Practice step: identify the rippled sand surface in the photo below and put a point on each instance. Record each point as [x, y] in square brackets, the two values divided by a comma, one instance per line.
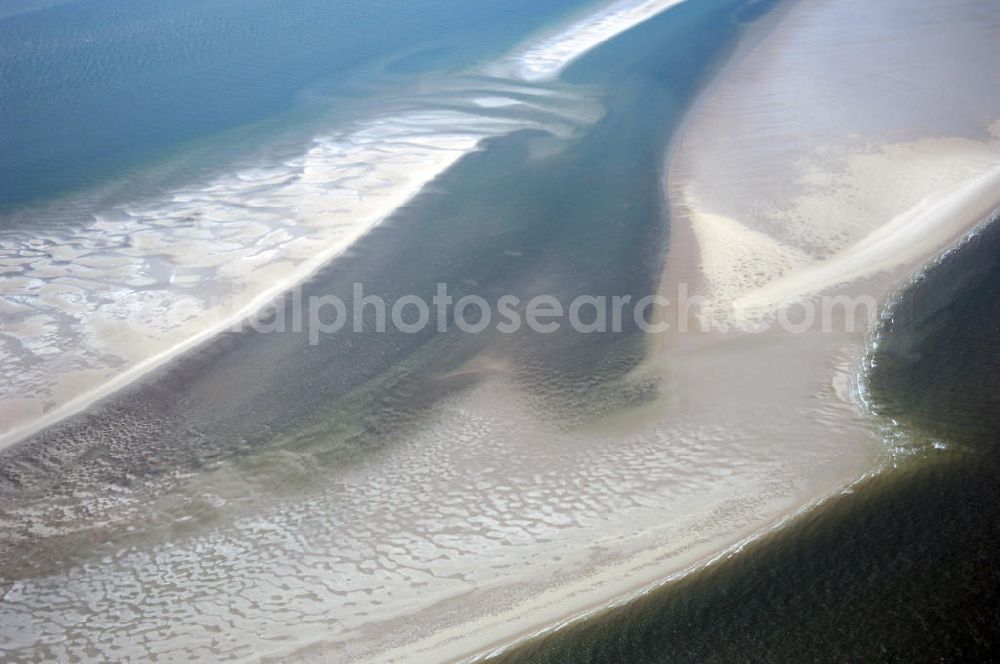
[125, 288]
[434, 516]
[829, 152]
[463, 519]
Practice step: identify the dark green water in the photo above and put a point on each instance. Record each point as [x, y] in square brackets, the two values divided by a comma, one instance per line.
[906, 568]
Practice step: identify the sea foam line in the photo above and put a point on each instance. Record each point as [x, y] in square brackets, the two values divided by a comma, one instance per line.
[114, 284]
[147, 280]
[306, 192]
[546, 59]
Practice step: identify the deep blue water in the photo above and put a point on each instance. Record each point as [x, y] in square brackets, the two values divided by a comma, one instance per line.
[92, 88]
[568, 213]
[102, 91]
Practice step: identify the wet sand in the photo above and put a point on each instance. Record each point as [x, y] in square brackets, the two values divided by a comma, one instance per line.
[261, 494]
[133, 286]
[762, 217]
[487, 519]
[95, 308]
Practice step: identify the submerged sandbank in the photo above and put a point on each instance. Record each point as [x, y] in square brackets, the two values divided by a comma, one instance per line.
[487, 519]
[261, 493]
[370, 521]
[90, 308]
[774, 206]
[151, 279]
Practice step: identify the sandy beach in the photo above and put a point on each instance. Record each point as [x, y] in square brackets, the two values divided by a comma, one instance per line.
[209, 256]
[149, 280]
[761, 218]
[812, 165]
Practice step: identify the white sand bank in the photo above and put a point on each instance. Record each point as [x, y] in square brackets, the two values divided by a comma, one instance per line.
[749, 429]
[552, 52]
[860, 213]
[487, 524]
[226, 251]
[89, 309]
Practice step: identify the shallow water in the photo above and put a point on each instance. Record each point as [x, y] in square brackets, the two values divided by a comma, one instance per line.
[263, 492]
[905, 568]
[170, 181]
[95, 88]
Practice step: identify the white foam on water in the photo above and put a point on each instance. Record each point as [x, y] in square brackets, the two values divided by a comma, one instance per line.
[545, 58]
[495, 102]
[108, 300]
[89, 308]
